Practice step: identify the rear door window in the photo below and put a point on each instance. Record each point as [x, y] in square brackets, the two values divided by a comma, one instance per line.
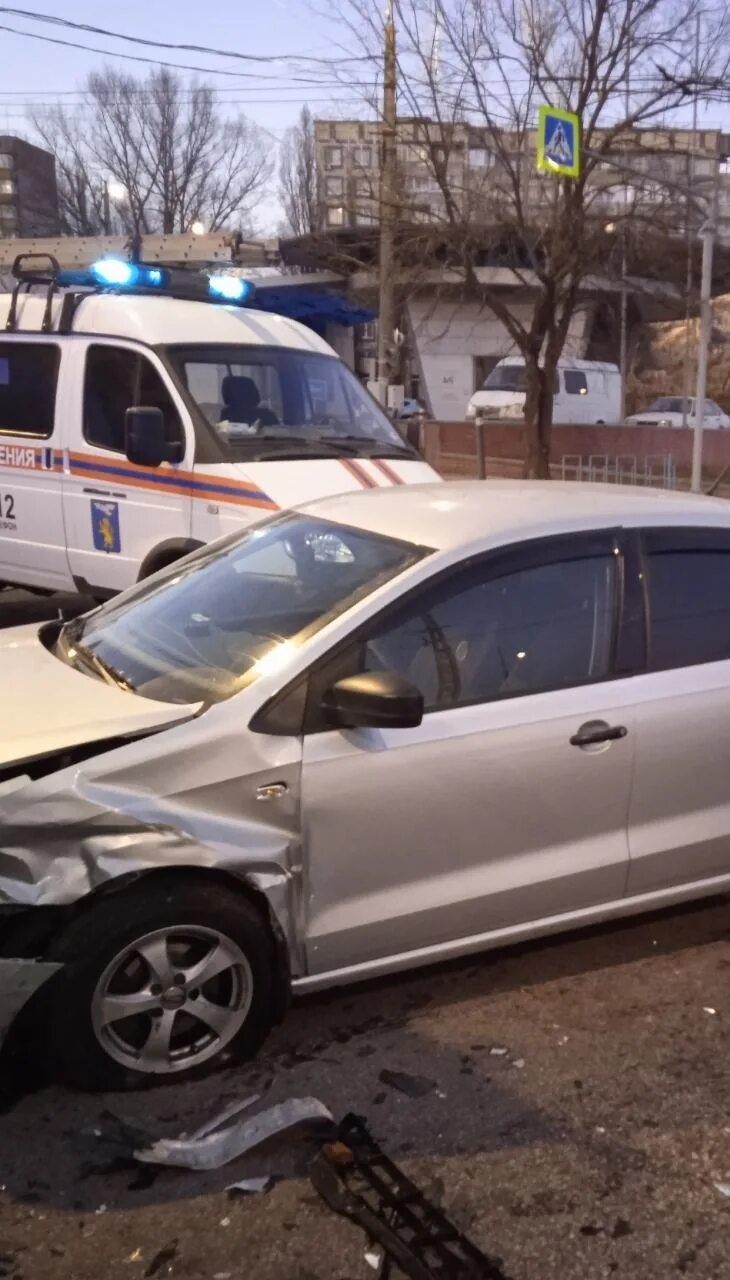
[28, 378]
[689, 598]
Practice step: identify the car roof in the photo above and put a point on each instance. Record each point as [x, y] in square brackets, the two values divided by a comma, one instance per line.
[165, 320]
[565, 362]
[459, 513]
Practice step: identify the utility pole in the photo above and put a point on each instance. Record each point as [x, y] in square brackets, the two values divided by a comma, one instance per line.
[386, 295]
[623, 332]
[703, 348]
[690, 246]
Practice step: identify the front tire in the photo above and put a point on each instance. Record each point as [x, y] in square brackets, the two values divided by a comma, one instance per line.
[161, 980]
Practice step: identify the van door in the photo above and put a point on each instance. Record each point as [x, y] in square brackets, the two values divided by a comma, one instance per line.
[32, 535]
[122, 518]
[576, 396]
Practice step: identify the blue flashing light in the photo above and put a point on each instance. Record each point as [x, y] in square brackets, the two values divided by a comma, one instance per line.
[126, 275]
[113, 271]
[230, 288]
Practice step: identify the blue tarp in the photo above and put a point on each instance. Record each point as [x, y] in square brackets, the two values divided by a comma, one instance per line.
[315, 307]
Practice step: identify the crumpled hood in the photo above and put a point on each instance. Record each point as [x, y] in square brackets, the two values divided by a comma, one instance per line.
[48, 705]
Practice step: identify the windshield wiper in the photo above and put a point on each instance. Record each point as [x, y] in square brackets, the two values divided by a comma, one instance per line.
[370, 447]
[264, 448]
[96, 664]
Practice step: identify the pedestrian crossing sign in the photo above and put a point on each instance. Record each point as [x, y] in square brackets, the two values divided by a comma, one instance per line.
[558, 142]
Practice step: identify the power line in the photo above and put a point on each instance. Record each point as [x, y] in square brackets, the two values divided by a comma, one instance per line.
[155, 62]
[163, 44]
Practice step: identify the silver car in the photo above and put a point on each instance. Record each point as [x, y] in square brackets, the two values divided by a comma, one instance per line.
[374, 732]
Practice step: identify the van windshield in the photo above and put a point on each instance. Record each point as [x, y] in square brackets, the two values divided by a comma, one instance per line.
[274, 402]
[670, 404]
[506, 377]
[511, 377]
[231, 612]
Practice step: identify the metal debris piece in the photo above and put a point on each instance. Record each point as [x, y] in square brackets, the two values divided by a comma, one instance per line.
[723, 1188]
[518, 1062]
[708, 1009]
[217, 1122]
[162, 1260]
[251, 1186]
[357, 1179]
[217, 1149]
[374, 1258]
[497, 1051]
[413, 1086]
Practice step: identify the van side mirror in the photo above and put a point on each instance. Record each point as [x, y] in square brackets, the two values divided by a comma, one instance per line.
[377, 700]
[144, 438]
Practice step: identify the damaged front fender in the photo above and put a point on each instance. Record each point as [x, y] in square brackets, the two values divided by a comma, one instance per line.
[186, 797]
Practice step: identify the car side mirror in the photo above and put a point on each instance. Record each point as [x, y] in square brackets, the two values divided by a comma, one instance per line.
[144, 438]
[377, 700]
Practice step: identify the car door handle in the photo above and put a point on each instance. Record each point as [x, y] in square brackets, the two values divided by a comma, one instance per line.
[594, 732]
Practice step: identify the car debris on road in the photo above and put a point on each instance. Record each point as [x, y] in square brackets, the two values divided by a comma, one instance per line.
[218, 1147]
[358, 1180]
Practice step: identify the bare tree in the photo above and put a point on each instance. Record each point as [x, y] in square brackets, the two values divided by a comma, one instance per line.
[298, 176]
[472, 74]
[166, 144]
[81, 189]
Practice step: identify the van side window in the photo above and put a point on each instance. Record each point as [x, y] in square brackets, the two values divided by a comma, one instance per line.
[576, 384]
[28, 377]
[118, 379]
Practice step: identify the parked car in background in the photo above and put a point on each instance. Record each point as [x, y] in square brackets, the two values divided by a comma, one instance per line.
[584, 391]
[380, 731]
[409, 409]
[672, 411]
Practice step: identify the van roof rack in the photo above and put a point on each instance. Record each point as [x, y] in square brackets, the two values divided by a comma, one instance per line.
[27, 276]
[118, 275]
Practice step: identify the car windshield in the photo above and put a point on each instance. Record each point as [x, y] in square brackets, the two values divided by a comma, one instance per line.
[267, 402]
[217, 620]
[670, 404]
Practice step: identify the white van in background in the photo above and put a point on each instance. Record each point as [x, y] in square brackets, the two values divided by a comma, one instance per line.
[145, 412]
[585, 391]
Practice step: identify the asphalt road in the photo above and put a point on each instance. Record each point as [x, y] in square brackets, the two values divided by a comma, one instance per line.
[592, 1147]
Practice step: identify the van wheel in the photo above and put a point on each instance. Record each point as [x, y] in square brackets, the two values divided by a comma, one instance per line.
[161, 980]
[164, 556]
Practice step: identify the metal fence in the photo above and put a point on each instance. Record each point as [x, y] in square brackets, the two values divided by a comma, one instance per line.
[658, 470]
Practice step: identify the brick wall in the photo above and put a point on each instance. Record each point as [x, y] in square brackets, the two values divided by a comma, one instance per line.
[451, 447]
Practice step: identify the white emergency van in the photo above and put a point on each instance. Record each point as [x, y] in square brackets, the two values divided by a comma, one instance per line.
[137, 424]
[585, 391]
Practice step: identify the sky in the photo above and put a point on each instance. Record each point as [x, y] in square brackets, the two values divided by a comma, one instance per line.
[271, 93]
[37, 72]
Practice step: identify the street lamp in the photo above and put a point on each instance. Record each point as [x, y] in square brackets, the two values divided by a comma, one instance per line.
[111, 190]
[611, 229]
[198, 228]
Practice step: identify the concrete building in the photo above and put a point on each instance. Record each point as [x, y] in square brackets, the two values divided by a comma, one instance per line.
[28, 192]
[478, 173]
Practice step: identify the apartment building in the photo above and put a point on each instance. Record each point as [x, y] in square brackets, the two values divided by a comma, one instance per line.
[478, 173]
[28, 192]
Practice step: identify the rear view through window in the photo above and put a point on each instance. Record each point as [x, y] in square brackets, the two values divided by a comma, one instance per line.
[28, 373]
